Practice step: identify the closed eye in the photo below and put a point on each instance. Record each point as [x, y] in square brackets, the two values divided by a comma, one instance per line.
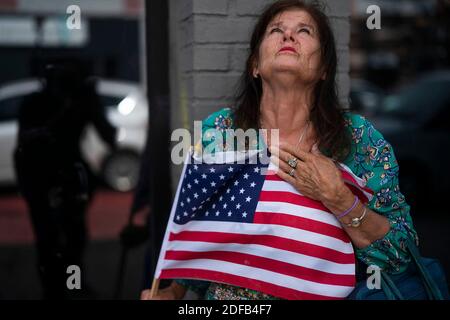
[304, 30]
[276, 30]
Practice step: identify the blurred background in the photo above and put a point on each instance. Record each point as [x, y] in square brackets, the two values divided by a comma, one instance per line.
[399, 79]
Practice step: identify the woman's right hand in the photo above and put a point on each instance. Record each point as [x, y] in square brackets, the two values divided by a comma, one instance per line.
[173, 292]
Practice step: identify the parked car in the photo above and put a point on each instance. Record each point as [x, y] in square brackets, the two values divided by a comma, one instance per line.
[126, 108]
[416, 121]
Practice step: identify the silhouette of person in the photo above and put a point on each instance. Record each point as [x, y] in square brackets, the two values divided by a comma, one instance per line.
[52, 177]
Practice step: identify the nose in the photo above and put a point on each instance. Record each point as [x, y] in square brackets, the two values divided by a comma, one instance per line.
[288, 35]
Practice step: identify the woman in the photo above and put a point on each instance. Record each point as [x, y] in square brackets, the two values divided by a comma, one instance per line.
[289, 84]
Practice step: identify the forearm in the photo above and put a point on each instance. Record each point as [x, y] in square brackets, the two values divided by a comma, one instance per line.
[373, 227]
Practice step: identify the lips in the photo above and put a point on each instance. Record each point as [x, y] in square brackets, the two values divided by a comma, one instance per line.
[288, 49]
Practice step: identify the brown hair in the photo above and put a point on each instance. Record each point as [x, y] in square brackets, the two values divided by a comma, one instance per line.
[326, 113]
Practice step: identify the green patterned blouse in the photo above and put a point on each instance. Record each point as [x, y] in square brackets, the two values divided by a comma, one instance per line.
[372, 159]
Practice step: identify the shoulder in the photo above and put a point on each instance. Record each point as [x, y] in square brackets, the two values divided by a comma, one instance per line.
[372, 156]
[220, 120]
[215, 123]
[361, 130]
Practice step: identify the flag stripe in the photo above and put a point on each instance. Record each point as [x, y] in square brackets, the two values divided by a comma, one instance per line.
[263, 275]
[298, 211]
[301, 223]
[277, 232]
[263, 251]
[254, 261]
[258, 285]
[265, 240]
[281, 196]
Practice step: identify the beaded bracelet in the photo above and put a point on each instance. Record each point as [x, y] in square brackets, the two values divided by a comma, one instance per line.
[343, 214]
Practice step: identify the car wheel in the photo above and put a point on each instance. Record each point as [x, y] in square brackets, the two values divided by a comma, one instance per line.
[121, 171]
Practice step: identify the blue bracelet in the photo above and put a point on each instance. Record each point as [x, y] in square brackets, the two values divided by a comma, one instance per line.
[343, 214]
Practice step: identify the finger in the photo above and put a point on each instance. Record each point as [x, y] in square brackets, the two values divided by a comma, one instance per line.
[286, 177]
[283, 165]
[282, 154]
[300, 154]
[145, 294]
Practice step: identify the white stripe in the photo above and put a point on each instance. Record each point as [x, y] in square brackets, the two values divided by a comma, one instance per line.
[262, 275]
[270, 185]
[266, 229]
[272, 253]
[298, 211]
[170, 224]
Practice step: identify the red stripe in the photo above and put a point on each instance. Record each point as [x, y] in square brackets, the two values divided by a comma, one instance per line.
[289, 197]
[261, 286]
[301, 223]
[273, 176]
[266, 240]
[347, 176]
[266, 264]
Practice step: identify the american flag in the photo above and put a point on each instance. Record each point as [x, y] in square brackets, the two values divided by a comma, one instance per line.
[232, 224]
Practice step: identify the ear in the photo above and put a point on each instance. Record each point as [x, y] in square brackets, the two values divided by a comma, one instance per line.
[255, 71]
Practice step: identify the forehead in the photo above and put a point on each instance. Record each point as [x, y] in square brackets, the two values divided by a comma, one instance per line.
[293, 16]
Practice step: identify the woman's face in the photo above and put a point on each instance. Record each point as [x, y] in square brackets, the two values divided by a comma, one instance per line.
[290, 44]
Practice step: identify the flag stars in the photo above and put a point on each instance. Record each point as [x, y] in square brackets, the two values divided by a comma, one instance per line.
[225, 206]
[204, 190]
[256, 170]
[213, 184]
[222, 177]
[248, 199]
[188, 200]
[244, 215]
[252, 184]
[238, 206]
[185, 214]
[195, 167]
[195, 195]
[229, 213]
[182, 204]
[242, 191]
[217, 213]
[196, 181]
[178, 218]
[246, 176]
[212, 170]
[189, 186]
[204, 176]
[228, 190]
[232, 198]
[236, 182]
[230, 169]
[207, 213]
